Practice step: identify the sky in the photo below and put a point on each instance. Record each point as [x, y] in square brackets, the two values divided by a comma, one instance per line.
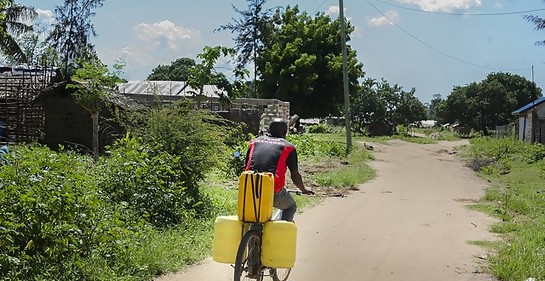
[430, 45]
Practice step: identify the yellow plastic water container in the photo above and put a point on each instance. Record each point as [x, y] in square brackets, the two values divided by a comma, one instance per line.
[255, 196]
[279, 244]
[228, 232]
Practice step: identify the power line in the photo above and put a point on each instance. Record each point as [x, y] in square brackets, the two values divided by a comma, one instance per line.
[460, 14]
[320, 6]
[437, 50]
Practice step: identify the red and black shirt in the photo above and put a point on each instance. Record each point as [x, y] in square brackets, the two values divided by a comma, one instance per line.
[273, 155]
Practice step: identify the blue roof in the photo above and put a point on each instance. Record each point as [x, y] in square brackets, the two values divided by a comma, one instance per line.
[529, 106]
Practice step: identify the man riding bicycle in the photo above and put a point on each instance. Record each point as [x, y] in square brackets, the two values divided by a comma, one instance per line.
[273, 153]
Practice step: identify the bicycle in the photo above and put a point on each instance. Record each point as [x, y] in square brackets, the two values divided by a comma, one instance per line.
[248, 264]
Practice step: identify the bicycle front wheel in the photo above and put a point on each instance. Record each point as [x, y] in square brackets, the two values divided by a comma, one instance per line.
[248, 262]
[280, 274]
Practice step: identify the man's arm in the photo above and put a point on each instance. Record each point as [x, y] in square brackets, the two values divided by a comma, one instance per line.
[296, 178]
[298, 181]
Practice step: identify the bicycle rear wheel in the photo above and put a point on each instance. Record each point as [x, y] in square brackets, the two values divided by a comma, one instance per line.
[280, 274]
[249, 258]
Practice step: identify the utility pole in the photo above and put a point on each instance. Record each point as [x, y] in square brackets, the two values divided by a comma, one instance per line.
[345, 80]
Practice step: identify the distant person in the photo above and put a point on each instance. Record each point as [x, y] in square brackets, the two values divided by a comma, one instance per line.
[273, 153]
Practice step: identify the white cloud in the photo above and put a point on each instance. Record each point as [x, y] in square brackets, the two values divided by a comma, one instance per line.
[45, 17]
[332, 11]
[43, 20]
[164, 34]
[156, 41]
[443, 5]
[358, 32]
[382, 20]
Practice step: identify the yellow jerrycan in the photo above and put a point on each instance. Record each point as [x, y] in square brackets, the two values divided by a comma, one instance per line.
[255, 196]
[228, 232]
[279, 244]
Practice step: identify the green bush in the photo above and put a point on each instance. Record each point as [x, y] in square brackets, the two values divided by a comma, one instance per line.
[506, 149]
[319, 129]
[403, 130]
[53, 218]
[151, 183]
[308, 146]
[305, 144]
[192, 136]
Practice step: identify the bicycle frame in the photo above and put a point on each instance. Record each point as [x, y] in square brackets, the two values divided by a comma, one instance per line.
[254, 261]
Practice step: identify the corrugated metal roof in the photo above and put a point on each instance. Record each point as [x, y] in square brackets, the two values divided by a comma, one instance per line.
[165, 88]
[529, 106]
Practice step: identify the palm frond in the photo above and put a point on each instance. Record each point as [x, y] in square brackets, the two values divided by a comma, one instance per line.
[17, 28]
[537, 21]
[11, 49]
[18, 12]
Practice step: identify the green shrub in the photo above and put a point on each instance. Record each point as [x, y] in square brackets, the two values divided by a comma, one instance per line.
[192, 136]
[53, 218]
[307, 145]
[534, 153]
[47, 201]
[151, 183]
[403, 130]
[319, 129]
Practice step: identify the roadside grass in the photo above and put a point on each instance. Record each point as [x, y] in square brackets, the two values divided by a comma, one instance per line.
[337, 137]
[352, 172]
[516, 197]
[176, 248]
[490, 245]
[444, 134]
[158, 253]
[341, 138]
[415, 139]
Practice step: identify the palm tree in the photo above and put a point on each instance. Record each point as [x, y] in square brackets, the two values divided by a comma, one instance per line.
[12, 26]
[539, 25]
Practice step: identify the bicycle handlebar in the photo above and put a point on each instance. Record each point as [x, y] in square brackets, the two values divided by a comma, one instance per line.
[298, 192]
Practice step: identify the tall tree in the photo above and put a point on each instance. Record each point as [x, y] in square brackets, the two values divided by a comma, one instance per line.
[301, 62]
[486, 104]
[72, 31]
[12, 24]
[252, 27]
[378, 104]
[437, 108]
[178, 70]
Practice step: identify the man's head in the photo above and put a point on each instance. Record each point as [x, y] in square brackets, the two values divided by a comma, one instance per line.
[278, 128]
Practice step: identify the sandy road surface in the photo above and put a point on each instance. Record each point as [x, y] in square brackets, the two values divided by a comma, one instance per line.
[410, 223]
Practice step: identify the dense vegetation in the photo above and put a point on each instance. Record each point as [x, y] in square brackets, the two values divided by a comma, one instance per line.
[517, 172]
[64, 216]
[483, 105]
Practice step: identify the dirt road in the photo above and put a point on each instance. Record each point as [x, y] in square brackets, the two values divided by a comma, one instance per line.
[410, 223]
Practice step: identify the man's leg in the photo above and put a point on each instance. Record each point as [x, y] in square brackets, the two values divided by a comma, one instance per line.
[284, 201]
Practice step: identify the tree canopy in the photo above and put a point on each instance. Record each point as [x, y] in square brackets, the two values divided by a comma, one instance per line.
[251, 29]
[72, 31]
[178, 70]
[379, 107]
[489, 103]
[301, 62]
